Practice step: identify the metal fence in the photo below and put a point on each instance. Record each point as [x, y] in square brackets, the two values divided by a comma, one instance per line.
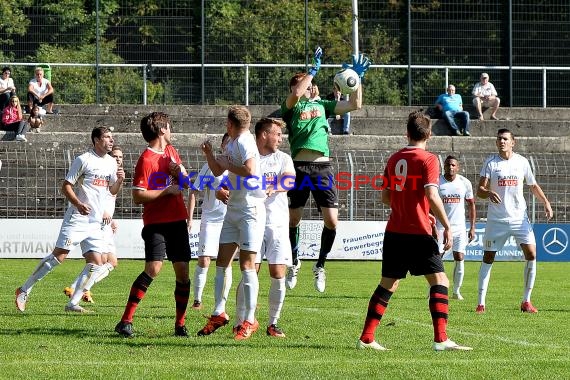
[256, 84]
[522, 43]
[31, 179]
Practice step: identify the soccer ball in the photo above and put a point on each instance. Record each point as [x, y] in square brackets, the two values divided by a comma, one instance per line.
[347, 80]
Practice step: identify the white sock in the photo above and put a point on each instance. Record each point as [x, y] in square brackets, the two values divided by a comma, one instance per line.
[484, 276]
[102, 273]
[276, 298]
[458, 272]
[529, 277]
[222, 286]
[86, 280]
[75, 282]
[250, 292]
[240, 305]
[46, 265]
[200, 277]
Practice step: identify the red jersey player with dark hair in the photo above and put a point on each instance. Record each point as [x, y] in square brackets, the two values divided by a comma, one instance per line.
[412, 189]
[165, 232]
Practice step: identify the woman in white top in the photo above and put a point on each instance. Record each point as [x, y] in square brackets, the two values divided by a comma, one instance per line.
[40, 91]
[7, 87]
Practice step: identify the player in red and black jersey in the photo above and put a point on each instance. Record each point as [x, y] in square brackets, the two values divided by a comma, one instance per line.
[165, 231]
[412, 189]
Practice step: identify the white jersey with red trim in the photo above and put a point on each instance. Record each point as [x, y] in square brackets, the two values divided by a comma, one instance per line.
[273, 166]
[93, 174]
[453, 195]
[506, 178]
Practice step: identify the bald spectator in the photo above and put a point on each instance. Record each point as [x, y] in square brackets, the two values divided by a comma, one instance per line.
[451, 106]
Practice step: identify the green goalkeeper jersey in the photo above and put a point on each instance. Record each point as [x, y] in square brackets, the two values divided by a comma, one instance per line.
[307, 125]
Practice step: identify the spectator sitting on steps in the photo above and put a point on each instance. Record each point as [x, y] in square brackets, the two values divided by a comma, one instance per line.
[40, 91]
[451, 106]
[12, 119]
[35, 120]
[7, 87]
[337, 95]
[485, 95]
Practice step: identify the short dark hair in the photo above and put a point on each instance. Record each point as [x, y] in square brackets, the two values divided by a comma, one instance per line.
[152, 123]
[97, 132]
[265, 123]
[419, 126]
[6, 68]
[451, 157]
[505, 130]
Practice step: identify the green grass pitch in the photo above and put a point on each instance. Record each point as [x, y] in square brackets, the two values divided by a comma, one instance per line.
[322, 329]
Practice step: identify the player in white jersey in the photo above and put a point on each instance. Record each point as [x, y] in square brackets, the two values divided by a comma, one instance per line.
[501, 182]
[95, 173]
[244, 221]
[109, 227]
[279, 173]
[456, 191]
[211, 221]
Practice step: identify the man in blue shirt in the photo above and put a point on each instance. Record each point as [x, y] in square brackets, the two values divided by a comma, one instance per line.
[451, 106]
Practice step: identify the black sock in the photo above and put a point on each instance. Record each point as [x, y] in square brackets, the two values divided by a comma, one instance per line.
[294, 239]
[327, 240]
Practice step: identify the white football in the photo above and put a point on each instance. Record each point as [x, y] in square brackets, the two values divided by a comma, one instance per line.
[347, 81]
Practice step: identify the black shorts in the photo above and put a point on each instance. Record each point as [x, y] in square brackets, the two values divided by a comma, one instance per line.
[166, 240]
[403, 253]
[316, 178]
[34, 99]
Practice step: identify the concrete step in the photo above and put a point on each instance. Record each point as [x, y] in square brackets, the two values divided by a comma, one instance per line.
[172, 110]
[337, 143]
[486, 128]
[130, 123]
[370, 111]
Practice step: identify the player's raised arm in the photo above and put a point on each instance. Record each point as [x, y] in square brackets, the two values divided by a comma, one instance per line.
[304, 85]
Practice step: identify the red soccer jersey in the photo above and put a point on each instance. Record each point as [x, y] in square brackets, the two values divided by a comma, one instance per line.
[408, 172]
[152, 173]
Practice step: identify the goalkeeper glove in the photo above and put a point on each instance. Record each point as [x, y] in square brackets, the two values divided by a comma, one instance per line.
[360, 64]
[316, 61]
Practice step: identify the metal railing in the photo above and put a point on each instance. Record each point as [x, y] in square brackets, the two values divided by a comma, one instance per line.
[144, 69]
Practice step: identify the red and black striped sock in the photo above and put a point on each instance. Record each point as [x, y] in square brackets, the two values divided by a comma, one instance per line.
[376, 308]
[138, 290]
[181, 295]
[439, 309]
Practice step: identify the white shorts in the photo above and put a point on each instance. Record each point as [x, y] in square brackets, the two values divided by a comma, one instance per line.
[244, 226]
[209, 238]
[497, 233]
[109, 237]
[76, 230]
[276, 247]
[460, 240]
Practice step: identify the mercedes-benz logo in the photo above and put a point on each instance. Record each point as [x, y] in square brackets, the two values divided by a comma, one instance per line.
[555, 241]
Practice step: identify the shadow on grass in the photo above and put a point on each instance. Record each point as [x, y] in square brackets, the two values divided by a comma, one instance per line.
[255, 343]
[48, 330]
